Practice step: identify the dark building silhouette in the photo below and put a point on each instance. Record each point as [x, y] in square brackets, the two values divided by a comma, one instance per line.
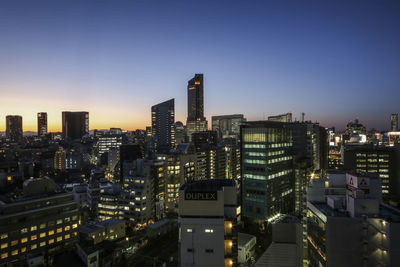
[42, 124]
[394, 122]
[196, 122]
[75, 124]
[127, 155]
[14, 128]
[162, 123]
[196, 98]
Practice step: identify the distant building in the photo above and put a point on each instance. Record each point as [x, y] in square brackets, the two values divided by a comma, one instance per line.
[59, 159]
[381, 161]
[43, 223]
[287, 117]
[228, 126]
[107, 142]
[267, 170]
[162, 123]
[394, 122]
[75, 124]
[14, 130]
[42, 124]
[196, 122]
[208, 213]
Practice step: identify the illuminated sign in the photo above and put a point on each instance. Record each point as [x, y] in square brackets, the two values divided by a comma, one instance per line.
[355, 182]
[201, 195]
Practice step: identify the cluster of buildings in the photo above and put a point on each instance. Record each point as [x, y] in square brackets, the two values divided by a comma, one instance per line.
[320, 196]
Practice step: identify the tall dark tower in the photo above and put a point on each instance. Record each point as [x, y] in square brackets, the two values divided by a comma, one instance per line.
[75, 124]
[196, 122]
[42, 124]
[394, 122]
[162, 123]
[14, 128]
[196, 98]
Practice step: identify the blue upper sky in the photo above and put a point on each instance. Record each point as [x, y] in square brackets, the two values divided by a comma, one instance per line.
[333, 60]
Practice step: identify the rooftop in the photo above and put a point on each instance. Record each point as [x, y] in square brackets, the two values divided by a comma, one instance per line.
[207, 185]
[243, 239]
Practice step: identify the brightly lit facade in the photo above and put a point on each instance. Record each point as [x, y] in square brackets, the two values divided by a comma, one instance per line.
[37, 225]
[208, 215]
[267, 170]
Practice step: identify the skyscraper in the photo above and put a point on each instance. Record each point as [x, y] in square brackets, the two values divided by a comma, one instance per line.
[394, 122]
[14, 128]
[42, 124]
[227, 126]
[162, 123]
[75, 124]
[196, 122]
[267, 169]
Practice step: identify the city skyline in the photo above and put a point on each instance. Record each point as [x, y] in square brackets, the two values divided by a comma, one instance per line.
[334, 61]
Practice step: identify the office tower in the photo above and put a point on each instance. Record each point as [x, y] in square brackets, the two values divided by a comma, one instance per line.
[42, 223]
[207, 223]
[42, 124]
[267, 169]
[310, 141]
[394, 122]
[14, 128]
[75, 124]
[162, 124]
[382, 161]
[107, 142]
[59, 159]
[196, 122]
[180, 134]
[287, 117]
[349, 226]
[227, 126]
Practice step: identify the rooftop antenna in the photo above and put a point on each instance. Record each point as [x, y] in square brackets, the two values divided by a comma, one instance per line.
[302, 116]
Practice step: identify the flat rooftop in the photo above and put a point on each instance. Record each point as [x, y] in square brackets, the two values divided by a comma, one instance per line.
[207, 185]
[243, 239]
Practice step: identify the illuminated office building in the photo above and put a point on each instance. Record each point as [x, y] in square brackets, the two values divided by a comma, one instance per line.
[287, 117]
[228, 126]
[41, 223]
[267, 170]
[14, 128]
[42, 124]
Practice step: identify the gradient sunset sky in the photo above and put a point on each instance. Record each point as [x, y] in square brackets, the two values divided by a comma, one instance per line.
[333, 60]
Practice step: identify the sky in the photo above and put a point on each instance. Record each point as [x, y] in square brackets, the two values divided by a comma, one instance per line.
[332, 60]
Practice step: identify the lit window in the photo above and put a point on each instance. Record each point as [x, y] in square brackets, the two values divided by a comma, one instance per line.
[51, 241]
[42, 244]
[4, 255]
[51, 232]
[59, 230]
[33, 228]
[74, 225]
[34, 246]
[33, 237]
[189, 230]
[3, 236]
[42, 235]
[59, 238]
[14, 242]
[59, 221]
[209, 230]
[24, 240]
[67, 219]
[4, 245]
[23, 249]
[14, 252]
[67, 228]
[67, 236]
[43, 225]
[24, 230]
